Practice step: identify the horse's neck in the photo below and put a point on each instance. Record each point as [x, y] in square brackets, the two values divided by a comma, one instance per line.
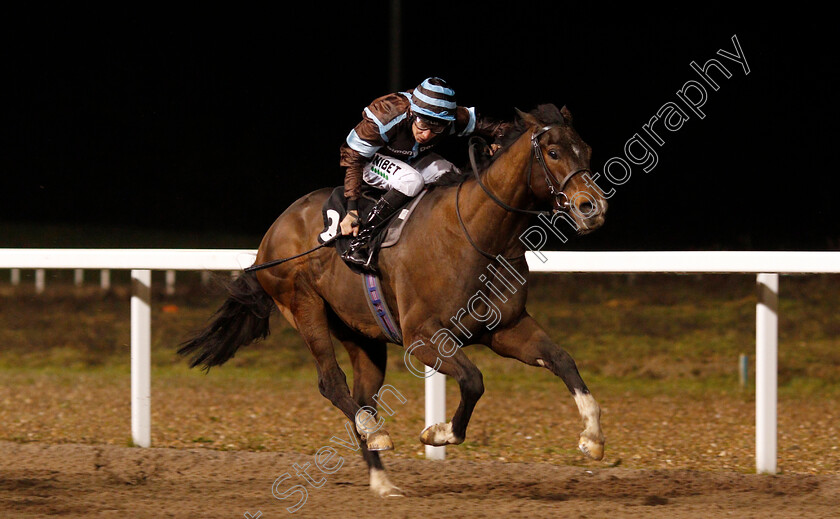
[506, 178]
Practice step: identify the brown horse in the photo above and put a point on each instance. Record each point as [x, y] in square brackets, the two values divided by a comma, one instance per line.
[447, 247]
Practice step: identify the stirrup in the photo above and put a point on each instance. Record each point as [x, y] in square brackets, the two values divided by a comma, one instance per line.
[362, 256]
[358, 250]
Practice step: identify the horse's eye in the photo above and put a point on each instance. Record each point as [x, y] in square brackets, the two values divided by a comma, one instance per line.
[553, 154]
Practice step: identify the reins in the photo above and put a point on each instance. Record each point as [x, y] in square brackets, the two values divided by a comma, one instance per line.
[550, 180]
[474, 142]
[467, 234]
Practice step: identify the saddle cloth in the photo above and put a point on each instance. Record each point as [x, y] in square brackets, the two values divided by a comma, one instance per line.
[335, 208]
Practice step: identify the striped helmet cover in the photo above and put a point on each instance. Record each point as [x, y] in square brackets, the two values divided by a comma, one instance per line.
[434, 98]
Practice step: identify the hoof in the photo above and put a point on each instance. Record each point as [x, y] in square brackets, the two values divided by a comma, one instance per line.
[591, 448]
[379, 441]
[439, 434]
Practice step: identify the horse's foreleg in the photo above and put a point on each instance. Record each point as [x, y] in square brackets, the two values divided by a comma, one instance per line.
[369, 359]
[529, 343]
[470, 381]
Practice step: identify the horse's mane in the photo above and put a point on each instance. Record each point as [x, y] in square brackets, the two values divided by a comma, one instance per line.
[545, 113]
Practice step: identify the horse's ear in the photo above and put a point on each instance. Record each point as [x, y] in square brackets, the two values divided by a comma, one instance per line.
[567, 115]
[528, 118]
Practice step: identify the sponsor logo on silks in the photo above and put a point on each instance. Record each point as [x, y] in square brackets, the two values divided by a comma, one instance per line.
[383, 166]
[408, 153]
[378, 172]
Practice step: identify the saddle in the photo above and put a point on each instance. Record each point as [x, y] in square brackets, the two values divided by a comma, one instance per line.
[335, 209]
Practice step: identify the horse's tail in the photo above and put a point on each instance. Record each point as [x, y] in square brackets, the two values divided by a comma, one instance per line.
[241, 320]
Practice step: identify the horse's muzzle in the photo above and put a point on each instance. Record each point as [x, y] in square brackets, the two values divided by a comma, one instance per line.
[589, 215]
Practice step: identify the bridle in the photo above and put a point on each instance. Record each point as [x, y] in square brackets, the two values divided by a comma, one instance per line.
[555, 187]
[556, 190]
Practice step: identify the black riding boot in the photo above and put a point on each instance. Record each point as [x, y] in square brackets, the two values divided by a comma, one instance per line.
[359, 251]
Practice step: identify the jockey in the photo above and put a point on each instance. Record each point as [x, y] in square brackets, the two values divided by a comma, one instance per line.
[391, 149]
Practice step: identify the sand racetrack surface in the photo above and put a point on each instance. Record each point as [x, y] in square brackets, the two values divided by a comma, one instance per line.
[71, 480]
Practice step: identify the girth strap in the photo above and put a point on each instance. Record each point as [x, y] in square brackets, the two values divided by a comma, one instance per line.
[379, 308]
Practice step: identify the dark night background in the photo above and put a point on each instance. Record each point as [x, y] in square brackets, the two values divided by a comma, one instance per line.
[205, 121]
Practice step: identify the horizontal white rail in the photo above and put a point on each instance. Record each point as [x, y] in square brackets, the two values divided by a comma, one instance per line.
[767, 264]
[754, 262]
[782, 262]
[143, 259]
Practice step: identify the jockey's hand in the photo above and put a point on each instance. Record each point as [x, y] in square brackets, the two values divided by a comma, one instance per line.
[350, 223]
[494, 148]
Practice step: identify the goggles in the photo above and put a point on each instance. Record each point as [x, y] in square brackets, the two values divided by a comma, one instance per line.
[427, 124]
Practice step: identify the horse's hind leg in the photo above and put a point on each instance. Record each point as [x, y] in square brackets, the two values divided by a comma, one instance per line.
[368, 358]
[529, 343]
[310, 316]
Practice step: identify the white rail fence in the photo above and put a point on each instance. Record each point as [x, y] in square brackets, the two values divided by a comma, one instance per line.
[766, 264]
[141, 262]
[104, 279]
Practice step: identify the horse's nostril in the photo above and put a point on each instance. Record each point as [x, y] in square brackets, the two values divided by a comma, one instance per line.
[587, 209]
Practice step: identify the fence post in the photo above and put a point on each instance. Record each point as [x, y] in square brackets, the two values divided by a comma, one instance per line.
[141, 388]
[40, 281]
[105, 279]
[435, 408]
[766, 372]
[743, 370]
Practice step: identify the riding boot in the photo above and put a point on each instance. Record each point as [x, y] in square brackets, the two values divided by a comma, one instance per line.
[359, 251]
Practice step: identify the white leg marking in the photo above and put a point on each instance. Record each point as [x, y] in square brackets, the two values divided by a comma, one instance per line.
[382, 486]
[591, 439]
[588, 409]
